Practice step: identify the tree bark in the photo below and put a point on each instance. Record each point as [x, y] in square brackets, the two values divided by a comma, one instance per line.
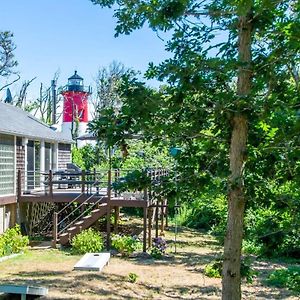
[231, 277]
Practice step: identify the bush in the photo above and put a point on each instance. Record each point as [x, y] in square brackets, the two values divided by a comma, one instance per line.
[132, 277]
[88, 241]
[203, 212]
[125, 244]
[133, 181]
[159, 247]
[271, 232]
[289, 278]
[214, 269]
[12, 241]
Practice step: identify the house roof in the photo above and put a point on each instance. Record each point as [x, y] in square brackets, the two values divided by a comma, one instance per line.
[15, 121]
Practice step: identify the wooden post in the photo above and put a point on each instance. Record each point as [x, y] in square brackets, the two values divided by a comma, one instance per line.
[50, 183]
[117, 215]
[108, 210]
[162, 228]
[95, 180]
[55, 219]
[19, 185]
[117, 176]
[83, 181]
[156, 218]
[166, 214]
[145, 230]
[150, 212]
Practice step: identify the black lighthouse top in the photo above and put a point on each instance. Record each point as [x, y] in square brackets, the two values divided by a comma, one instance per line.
[75, 82]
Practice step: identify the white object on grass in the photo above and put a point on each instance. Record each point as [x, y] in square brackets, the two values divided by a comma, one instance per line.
[23, 290]
[92, 262]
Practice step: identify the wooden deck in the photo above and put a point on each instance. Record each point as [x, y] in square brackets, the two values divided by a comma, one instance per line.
[68, 195]
[95, 197]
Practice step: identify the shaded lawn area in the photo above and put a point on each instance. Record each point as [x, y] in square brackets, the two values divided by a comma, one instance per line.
[176, 276]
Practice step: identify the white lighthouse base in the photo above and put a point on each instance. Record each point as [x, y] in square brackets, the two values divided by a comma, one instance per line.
[81, 130]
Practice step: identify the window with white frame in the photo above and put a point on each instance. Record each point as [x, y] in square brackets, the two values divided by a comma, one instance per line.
[7, 164]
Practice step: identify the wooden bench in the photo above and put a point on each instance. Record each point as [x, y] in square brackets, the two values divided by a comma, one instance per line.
[23, 290]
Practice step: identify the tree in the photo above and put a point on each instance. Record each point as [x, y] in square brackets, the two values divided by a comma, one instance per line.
[44, 105]
[7, 62]
[220, 88]
[20, 100]
[108, 80]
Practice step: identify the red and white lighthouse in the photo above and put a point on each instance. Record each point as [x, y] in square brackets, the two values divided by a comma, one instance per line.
[75, 111]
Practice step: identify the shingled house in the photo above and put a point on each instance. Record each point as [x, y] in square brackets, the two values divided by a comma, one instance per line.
[29, 145]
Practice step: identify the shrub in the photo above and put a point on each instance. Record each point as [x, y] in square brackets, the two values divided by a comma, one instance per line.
[252, 247]
[214, 269]
[159, 247]
[289, 278]
[203, 212]
[132, 277]
[272, 232]
[12, 241]
[125, 244]
[133, 181]
[88, 240]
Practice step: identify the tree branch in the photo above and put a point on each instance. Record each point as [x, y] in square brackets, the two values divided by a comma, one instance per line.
[8, 84]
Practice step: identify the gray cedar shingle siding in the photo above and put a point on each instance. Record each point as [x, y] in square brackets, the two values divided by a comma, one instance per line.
[20, 156]
[64, 155]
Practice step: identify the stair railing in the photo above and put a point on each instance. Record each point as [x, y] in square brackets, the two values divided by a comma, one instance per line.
[79, 216]
[57, 223]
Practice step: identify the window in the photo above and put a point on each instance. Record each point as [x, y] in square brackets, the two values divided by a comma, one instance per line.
[7, 165]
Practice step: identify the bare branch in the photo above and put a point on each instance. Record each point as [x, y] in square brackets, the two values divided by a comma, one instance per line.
[12, 82]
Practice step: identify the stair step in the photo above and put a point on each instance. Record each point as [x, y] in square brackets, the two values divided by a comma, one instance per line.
[79, 223]
[72, 228]
[63, 235]
[85, 222]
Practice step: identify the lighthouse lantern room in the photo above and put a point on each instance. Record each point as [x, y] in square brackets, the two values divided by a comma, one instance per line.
[75, 112]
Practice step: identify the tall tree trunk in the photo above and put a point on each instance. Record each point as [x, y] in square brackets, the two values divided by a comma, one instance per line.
[231, 283]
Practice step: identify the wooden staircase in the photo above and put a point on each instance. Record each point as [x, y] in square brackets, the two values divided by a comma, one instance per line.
[67, 224]
[84, 223]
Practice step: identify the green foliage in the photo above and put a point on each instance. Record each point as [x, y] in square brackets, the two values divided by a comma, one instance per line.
[12, 241]
[204, 212]
[195, 109]
[214, 269]
[273, 230]
[87, 157]
[7, 47]
[143, 155]
[132, 277]
[289, 278]
[87, 241]
[133, 181]
[125, 244]
[252, 247]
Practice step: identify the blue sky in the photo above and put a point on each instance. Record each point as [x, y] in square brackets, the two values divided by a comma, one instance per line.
[65, 35]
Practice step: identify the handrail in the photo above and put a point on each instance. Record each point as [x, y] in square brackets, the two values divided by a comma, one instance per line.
[76, 198]
[57, 224]
[79, 206]
[73, 221]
